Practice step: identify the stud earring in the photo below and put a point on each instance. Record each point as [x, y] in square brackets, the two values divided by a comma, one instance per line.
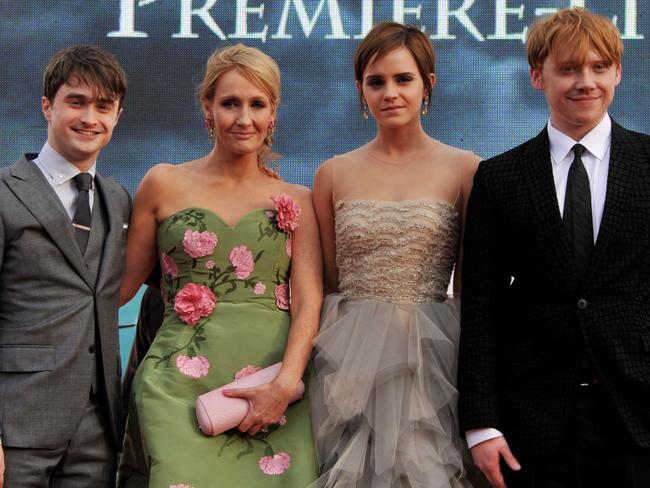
[209, 125]
[270, 133]
[364, 109]
[425, 105]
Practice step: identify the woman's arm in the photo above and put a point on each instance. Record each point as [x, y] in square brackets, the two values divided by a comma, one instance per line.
[141, 246]
[270, 401]
[323, 206]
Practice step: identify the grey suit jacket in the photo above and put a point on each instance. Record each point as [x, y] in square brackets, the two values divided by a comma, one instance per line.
[47, 299]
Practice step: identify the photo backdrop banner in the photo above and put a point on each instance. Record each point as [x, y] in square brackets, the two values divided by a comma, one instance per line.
[483, 100]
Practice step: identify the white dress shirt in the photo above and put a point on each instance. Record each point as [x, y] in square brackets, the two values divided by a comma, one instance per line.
[59, 173]
[596, 161]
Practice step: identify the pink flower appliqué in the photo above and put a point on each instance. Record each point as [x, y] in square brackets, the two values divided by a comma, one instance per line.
[195, 367]
[282, 421]
[288, 212]
[275, 465]
[168, 265]
[242, 259]
[199, 244]
[246, 371]
[210, 264]
[287, 247]
[194, 302]
[282, 296]
[182, 485]
[259, 289]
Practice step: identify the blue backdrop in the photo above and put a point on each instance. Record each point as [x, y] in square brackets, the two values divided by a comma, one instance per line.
[483, 100]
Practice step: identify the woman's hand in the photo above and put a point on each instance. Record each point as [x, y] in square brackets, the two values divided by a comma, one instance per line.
[268, 404]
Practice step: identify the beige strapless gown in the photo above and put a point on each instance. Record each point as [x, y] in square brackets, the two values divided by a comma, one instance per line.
[384, 400]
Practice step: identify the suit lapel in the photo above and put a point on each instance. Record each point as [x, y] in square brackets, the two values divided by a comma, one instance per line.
[114, 221]
[536, 161]
[31, 188]
[620, 179]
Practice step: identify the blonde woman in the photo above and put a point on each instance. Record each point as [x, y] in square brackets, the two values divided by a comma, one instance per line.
[227, 232]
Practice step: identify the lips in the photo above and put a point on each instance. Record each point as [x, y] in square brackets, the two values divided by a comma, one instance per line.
[243, 135]
[86, 133]
[391, 108]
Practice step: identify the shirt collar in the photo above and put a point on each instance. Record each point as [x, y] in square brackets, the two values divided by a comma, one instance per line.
[58, 169]
[596, 141]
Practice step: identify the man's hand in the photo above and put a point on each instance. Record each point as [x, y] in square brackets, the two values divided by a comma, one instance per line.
[487, 455]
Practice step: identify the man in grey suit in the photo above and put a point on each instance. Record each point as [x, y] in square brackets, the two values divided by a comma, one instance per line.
[62, 232]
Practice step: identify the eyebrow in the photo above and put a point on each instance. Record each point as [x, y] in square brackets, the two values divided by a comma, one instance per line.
[81, 96]
[373, 75]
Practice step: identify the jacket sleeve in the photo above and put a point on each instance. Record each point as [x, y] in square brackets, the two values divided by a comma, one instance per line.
[484, 282]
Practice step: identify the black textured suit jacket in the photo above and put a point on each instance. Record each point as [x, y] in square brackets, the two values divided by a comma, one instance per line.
[525, 316]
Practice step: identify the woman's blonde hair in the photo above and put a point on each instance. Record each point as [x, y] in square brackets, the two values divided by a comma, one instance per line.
[259, 68]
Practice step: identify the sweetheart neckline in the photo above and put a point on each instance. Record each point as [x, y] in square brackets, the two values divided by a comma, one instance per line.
[215, 214]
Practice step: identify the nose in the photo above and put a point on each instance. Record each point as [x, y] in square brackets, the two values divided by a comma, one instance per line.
[390, 90]
[88, 115]
[244, 116]
[586, 79]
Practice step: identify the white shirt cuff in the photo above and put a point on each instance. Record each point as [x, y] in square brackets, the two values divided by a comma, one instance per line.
[476, 436]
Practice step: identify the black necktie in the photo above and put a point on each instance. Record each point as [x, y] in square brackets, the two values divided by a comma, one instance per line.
[82, 216]
[577, 212]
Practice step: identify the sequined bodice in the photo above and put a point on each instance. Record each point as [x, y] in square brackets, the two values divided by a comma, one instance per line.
[396, 251]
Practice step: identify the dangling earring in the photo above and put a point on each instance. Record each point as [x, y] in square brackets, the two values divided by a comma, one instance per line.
[364, 109]
[209, 124]
[425, 105]
[270, 132]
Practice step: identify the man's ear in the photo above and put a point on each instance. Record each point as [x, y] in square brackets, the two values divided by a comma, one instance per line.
[536, 79]
[618, 73]
[46, 107]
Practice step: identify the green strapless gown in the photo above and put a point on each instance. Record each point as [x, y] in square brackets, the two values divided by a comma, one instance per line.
[226, 293]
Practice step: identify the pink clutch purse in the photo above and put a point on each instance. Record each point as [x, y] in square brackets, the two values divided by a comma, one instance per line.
[217, 413]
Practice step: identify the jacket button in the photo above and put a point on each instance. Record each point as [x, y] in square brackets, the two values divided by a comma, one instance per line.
[91, 349]
[582, 304]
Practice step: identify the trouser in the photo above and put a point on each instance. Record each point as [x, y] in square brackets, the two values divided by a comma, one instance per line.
[88, 460]
[596, 451]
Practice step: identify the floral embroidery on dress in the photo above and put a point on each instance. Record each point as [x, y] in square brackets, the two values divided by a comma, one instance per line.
[210, 264]
[288, 212]
[246, 371]
[168, 265]
[195, 367]
[287, 246]
[283, 220]
[260, 288]
[181, 485]
[276, 464]
[193, 302]
[241, 259]
[198, 244]
[282, 296]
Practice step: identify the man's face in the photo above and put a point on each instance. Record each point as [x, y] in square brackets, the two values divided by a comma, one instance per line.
[578, 94]
[79, 122]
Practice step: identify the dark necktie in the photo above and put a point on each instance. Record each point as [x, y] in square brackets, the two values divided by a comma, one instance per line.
[82, 216]
[577, 212]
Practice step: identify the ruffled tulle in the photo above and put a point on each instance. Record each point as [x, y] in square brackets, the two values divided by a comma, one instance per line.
[384, 400]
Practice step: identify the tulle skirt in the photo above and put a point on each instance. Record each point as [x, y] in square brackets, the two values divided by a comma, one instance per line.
[384, 400]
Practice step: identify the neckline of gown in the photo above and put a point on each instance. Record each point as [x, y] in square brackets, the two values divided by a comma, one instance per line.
[372, 201]
[215, 214]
